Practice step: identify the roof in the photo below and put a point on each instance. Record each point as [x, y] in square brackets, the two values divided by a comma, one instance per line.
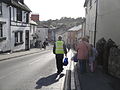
[76, 28]
[33, 23]
[17, 4]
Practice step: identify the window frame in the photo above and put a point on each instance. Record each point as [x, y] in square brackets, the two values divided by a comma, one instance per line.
[27, 17]
[18, 38]
[0, 8]
[19, 14]
[1, 30]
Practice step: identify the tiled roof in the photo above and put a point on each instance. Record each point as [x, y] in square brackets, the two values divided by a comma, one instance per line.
[20, 5]
[76, 28]
[17, 4]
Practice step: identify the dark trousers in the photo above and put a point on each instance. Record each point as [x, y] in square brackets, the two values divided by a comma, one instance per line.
[83, 66]
[59, 62]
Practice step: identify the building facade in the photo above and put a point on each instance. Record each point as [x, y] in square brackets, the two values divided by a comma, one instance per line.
[33, 35]
[42, 33]
[102, 19]
[15, 25]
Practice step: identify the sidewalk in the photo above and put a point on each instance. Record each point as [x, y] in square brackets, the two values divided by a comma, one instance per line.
[5, 56]
[97, 80]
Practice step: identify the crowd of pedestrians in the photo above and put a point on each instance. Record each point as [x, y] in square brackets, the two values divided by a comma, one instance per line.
[86, 55]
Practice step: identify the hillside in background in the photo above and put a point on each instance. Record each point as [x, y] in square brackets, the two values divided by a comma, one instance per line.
[64, 23]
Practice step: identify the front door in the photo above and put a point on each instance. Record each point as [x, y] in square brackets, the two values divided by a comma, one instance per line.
[27, 40]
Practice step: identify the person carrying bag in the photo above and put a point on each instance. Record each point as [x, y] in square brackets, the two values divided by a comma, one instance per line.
[59, 50]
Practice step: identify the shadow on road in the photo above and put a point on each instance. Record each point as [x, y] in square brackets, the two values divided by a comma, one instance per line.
[45, 81]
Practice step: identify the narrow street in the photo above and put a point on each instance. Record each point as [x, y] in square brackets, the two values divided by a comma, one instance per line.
[30, 72]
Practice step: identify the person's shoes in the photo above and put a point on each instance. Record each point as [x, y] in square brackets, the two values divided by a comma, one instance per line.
[58, 72]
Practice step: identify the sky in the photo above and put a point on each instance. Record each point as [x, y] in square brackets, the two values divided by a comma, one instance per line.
[55, 9]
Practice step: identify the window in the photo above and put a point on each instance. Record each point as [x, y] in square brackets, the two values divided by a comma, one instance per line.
[18, 38]
[13, 14]
[86, 10]
[21, 36]
[0, 8]
[27, 17]
[1, 30]
[19, 15]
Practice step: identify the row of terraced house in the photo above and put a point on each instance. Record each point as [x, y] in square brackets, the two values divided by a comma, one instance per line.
[17, 30]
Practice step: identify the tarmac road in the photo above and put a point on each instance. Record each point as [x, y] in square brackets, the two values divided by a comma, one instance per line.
[30, 72]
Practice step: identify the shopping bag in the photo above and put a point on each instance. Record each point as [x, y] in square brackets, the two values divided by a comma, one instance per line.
[65, 62]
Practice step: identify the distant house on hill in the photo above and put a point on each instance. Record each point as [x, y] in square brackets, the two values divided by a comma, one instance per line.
[74, 34]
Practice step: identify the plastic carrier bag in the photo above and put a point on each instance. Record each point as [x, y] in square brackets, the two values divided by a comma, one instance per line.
[65, 62]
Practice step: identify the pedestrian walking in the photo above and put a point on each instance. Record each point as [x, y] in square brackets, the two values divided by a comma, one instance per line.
[83, 50]
[40, 44]
[59, 50]
[44, 44]
[92, 62]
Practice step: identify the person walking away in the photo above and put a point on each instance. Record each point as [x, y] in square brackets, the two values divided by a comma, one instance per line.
[40, 44]
[83, 50]
[44, 44]
[92, 58]
[59, 50]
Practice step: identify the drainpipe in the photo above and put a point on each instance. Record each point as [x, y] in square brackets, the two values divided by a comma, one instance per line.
[10, 29]
[96, 23]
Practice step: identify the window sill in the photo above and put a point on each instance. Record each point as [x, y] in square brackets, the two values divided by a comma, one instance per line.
[2, 39]
[18, 43]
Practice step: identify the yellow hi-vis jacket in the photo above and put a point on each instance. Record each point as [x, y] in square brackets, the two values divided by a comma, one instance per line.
[59, 47]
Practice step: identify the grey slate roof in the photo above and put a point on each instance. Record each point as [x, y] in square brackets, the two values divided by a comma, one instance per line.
[76, 28]
[17, 4]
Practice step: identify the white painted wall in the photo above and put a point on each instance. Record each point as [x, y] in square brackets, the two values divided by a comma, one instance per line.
[42, 33]
[22, 46]
[18, 26]
[90, 20]
[5, 45]
[108, 21]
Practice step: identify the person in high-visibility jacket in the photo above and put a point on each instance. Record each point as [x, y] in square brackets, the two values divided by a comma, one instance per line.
[59, 50]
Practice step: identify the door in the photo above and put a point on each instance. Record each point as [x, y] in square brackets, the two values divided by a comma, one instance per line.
[27, 40]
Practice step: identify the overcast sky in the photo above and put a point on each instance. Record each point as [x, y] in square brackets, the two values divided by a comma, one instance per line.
[55, 9]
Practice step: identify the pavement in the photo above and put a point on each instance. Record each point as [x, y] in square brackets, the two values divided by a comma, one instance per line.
[98, 80]
[66, 81]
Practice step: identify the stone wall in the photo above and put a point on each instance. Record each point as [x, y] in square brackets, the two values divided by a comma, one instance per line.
[114, 62]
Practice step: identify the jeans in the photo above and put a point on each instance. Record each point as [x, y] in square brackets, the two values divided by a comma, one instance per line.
[82, 64]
